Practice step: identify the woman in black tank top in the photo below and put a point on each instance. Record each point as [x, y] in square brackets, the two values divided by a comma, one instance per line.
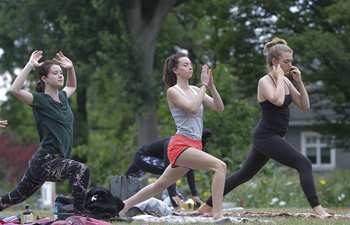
[275, 93]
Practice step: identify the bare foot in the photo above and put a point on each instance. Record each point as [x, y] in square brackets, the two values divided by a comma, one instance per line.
[321, 212]
[122, 213]
[217, 215]
[204, 209]
[209, 214]
[212, 214]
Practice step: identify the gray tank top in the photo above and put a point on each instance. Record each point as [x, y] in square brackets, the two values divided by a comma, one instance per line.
[188, 124]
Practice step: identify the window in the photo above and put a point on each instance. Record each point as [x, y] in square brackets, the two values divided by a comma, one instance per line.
[318, 149]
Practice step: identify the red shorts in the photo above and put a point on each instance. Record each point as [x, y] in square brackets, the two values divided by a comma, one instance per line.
[178, 144]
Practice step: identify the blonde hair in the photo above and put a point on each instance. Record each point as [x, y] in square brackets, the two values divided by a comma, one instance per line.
[274, 49]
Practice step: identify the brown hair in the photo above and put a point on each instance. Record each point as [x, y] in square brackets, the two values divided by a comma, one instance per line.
[169, 77]
[43, 70]
[274, 49]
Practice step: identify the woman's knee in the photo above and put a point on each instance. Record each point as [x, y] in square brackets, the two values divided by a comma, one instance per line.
[86, 170]
[220, 166]
[243, 174]
[82, 168]
[84, 173]
[304, 165]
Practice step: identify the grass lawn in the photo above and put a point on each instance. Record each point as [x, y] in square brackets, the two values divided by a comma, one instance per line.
[279, 220]
[252, 220]
[272, 221]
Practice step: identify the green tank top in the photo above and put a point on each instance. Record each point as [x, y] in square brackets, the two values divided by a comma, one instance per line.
[54, 121]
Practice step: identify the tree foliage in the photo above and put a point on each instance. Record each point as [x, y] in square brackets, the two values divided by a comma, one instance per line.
[119, 60]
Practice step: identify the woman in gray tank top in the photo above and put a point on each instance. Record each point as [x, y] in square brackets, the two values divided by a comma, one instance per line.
[185, 149]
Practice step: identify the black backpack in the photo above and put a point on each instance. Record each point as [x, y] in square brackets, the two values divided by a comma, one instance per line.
[101, 204]
[63, 207]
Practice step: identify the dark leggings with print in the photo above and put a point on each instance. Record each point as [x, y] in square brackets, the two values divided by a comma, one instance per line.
[49, 167]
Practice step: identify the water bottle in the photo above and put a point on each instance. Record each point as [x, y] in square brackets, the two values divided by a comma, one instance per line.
[27, 215]
[57, 209]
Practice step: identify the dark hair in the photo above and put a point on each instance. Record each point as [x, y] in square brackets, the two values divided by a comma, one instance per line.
[43, 70]
[169, 77]
[274, 49]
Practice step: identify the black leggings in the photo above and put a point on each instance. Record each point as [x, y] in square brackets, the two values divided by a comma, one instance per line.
[48, 167]
[145, 163]
[276, 148]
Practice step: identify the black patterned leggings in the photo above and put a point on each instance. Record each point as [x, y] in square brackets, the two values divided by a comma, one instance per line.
[48, 167]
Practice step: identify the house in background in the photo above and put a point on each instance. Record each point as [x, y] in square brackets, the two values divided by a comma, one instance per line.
[303, 136]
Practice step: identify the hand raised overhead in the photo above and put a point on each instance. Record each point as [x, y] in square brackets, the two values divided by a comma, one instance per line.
[35, 57]
[3, 123]
[63, 61]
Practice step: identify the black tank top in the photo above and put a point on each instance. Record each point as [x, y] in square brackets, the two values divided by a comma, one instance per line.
[274, 119]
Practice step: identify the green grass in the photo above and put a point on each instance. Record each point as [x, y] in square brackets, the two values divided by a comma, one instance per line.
[279, 220]
[279, 187]
[252, 220]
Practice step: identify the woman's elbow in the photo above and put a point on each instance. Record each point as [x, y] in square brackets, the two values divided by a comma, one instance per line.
[278, 102]
[72, 87]
[305, 108]
[13, 90]
[220, 109]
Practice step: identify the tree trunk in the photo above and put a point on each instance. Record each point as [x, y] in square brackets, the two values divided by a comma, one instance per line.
[81, 129]
[144, 20]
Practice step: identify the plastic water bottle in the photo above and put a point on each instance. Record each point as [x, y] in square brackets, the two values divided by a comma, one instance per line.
[56, 209]
[27, 215]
